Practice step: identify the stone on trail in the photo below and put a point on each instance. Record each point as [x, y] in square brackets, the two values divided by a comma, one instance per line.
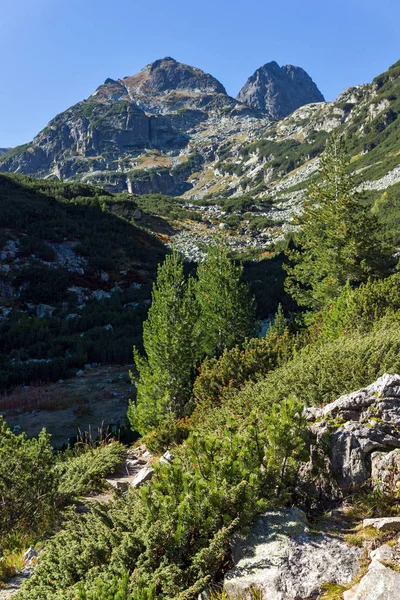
[144, 475]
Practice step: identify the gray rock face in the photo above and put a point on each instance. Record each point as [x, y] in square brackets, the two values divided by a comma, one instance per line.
[283, 560]
[360, 423]
[165, 83]
[384, 553]
[100, 139]
[385, 470]
[380, 583]
[278, 91]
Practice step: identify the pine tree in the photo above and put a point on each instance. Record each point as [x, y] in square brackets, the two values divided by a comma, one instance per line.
[227, 311]
[166, 371]
[339, 239]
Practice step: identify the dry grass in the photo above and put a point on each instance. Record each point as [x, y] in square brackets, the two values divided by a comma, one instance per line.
[333, 591]
[10, 564]
[36, 397]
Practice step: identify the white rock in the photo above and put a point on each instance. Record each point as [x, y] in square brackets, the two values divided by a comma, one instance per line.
[383, 524]
[384, 553]
[144, 475]
[167, 458]
[377, 584]
[375, 564]
[29, 554]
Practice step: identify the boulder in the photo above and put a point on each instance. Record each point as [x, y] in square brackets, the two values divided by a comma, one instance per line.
[29, 555]
[284, 560]
[167, 458]
[359, 424]
[383, 523]
[144, 475]
[378, 584]
[383, 553]
[44, 310]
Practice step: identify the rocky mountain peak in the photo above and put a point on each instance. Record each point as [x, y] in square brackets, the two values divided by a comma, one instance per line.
[167, 74]
[278, 91]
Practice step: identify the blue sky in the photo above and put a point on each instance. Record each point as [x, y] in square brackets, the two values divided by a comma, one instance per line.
[56, 52]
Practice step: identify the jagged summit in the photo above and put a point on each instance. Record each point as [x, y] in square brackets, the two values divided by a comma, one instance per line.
[278, 91]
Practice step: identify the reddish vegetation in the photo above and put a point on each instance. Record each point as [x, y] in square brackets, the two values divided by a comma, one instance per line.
[35, 397]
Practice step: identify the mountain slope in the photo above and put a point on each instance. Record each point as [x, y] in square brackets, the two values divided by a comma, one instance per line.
[148, 132]
[75, 278]
[275, 168]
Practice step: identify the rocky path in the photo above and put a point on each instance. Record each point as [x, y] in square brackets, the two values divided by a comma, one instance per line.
[14, 585]
[135, 470]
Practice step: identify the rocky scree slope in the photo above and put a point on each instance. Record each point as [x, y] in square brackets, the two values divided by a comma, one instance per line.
[273, 170]
[279, 164]
[148, 132]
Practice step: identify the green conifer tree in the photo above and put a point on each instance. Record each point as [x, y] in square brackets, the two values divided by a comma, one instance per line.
[166, 372]
[227, 311]
[339, 239]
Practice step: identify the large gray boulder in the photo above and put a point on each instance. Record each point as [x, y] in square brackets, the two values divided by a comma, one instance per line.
[383, 523]
[359, 424]
[284, 560]
[380, 583]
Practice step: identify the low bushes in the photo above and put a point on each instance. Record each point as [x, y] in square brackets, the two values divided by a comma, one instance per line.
[27, 488]
[82, 470]
[172, 534]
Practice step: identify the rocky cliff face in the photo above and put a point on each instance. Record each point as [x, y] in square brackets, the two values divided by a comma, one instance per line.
[172, 129]
[156, 109]
[278, 91]
[169, 107]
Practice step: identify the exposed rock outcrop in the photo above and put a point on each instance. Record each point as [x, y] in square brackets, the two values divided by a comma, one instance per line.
[278, 91]
[283, 560]
[380, 583]
[385, 470]
[357, 425]
[100, 139]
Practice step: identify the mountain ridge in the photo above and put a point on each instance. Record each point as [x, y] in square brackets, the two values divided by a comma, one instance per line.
[168, 106]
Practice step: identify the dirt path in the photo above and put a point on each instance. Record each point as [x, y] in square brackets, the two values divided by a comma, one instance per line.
[14, 585]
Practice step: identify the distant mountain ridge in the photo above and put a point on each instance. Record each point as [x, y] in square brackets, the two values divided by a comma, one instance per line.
[168, 107]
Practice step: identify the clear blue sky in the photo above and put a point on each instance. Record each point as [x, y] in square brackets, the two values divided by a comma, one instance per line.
[56, 52]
